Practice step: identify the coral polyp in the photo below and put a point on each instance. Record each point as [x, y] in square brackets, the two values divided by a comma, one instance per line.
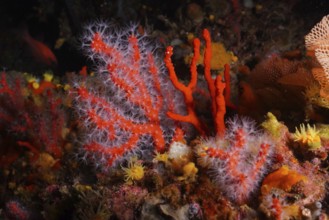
[308, 136]
[134, 171]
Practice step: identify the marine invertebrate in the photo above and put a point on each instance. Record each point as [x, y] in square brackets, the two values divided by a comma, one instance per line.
[218, 89]
[132, 103]
[161, 157]
[284, 178]
[179, 155]
[32, 117]
[308, 135]
[318, 40]
[238, 160]
[124, 106]
[189, 172]
[275, 128]
[16, 210]
[276, 83]
[220, 57]
[134, 171]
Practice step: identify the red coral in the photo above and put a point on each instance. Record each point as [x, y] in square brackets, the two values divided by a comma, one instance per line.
[15, 210]
[216, 87]
[29, 119]
[238, 160]
[124, 106]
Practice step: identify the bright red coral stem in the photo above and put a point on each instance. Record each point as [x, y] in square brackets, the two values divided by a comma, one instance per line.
[216, 88]
[187, 91]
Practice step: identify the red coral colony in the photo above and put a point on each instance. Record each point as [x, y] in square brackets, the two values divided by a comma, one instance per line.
[136, 135]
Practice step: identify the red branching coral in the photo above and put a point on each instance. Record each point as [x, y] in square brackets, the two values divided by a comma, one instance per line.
[30, 118]
[238, 160]
[124, 107]
[216, 87]
[15, 210]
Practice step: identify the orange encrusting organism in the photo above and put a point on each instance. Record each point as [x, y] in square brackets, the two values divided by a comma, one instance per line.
[283, 178]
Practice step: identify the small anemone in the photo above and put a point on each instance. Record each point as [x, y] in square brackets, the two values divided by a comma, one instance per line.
[308, 135]
[134, 171]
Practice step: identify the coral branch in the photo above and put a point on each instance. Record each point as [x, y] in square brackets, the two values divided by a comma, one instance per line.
[236, 163]
[220, 106]
[124, 106]
[215, 87]
[207, 71]
[187, 91]
[32, 117]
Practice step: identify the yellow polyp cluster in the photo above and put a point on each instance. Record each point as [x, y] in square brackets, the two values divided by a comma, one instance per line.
[220, 57]
[273, 126]
[48, 77]
[35, 82]
[189, 172]
[308, 135]
[159, 157]
[29, 78]
[134, 171]
[32, 80]
[66, 87]
[312, 94]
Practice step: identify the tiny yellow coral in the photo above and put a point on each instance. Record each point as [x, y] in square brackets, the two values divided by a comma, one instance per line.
[159, 157]
[30, 78]
[35, 85]
[273, 126]
[189, 172]
[134, 171]
[48, 77]
[324, 131]
[66, 87]
[44, 164]
[220, 56]
[308, 135]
